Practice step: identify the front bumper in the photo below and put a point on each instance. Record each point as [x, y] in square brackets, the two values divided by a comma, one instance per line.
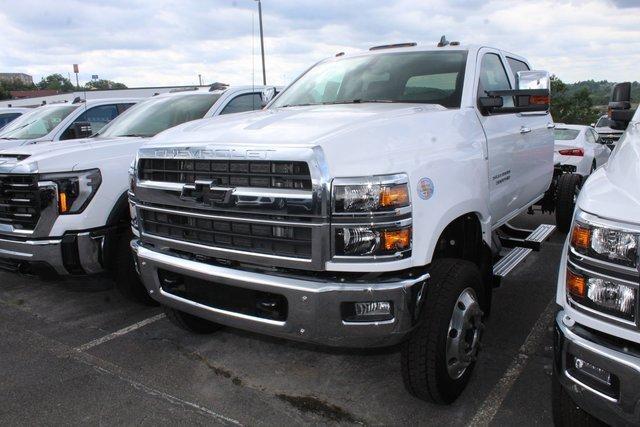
[314, 305]
[77, 253]
[620, 407]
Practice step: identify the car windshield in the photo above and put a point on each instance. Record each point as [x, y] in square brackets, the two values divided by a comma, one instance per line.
[566, 134]
[6, 118]
[407, 77]
[604, 122]
[37, 123]
[157, 114]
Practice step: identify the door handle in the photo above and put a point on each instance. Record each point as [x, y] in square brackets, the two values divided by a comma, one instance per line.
[525, 130]
[551, 125]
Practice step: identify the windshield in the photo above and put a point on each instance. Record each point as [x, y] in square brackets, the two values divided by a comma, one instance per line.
[409, 77]
[157, 114]
[603, 122]
[37, 123]
[6, 118]
[566, 134]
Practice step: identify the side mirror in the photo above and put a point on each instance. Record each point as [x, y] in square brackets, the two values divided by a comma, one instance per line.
[82, 129]
[267, 95]
[532, 94]
[620, 106]
[592, 125]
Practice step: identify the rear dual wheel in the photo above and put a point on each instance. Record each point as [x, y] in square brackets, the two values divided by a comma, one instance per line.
[439, 357]
[568, 188]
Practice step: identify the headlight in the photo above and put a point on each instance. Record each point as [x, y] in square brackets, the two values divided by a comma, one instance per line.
[607, 244]
[75, 189]
[603, 294]
[372, 240]
[370, 194]
[132, 175]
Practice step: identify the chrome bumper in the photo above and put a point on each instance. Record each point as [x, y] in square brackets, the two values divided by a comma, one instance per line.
[622, 409]
[314, 306]
[20, 254]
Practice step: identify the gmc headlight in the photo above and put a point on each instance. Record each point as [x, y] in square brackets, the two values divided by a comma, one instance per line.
[75, 189]
[606, 295]
[599, 241]
[370, 194]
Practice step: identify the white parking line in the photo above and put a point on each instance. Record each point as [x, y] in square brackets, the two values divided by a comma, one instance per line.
[119, 333]
[493, 402]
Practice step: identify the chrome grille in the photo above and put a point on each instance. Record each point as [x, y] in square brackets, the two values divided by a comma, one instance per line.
[280, 240]
[20, 201]
[235, 173]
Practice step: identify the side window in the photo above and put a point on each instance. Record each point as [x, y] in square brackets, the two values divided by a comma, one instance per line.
[246, 102]
[98, 117]
[124, 107]
[517, 65]
[493, 76]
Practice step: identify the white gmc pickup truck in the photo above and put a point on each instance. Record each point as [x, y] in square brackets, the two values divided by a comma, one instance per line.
[597, 331]
[63, 205]
[361, 208]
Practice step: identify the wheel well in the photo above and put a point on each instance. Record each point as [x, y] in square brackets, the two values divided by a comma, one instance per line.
[118, 224]
[461, 239]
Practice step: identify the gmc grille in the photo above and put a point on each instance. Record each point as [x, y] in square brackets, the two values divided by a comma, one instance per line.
[283, 240]
[234, 173]
[20, 201]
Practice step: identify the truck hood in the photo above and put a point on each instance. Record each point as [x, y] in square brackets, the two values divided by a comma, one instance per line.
[613, 191]
[297, 126]
[66, 156]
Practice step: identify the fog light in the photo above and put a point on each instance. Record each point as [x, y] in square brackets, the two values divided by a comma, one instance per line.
[371, 311]
[592, 371]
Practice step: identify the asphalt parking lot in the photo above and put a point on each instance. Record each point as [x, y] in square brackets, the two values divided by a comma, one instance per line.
[75, 352]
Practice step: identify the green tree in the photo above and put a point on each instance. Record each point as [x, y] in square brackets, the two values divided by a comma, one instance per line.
[4, 91]
[570, 106]
[56, 82]
[104, 84]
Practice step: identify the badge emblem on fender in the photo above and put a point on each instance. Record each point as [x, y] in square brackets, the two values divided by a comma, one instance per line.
[425, 188]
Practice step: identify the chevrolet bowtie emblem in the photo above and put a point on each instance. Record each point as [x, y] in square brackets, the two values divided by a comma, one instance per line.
[207, 192]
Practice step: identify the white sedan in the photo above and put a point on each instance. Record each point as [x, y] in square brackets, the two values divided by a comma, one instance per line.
[581, 147]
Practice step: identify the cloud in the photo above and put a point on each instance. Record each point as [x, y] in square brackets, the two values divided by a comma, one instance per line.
[167, 42]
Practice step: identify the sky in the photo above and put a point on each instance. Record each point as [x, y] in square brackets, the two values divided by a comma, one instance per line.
[165, 42]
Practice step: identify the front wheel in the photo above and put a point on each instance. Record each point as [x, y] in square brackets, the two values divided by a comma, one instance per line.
[439, 357]
[128, 282]
[566, 196]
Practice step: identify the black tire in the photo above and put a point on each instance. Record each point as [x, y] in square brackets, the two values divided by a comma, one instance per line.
[565, 412]
[567, 191]
[190, 322]
[127, 280]
[424, 355]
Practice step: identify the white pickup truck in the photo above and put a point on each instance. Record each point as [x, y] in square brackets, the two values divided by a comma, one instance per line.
[361, 208]
[62, 121]
[63, 207]
[597, 330]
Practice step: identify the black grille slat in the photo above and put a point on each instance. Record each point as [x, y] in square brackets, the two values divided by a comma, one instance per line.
[260, 174]
[287, 240]
[20, 203]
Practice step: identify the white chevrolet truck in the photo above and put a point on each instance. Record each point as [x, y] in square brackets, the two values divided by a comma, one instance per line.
[63, 207]
[363, 207]
[597, 330]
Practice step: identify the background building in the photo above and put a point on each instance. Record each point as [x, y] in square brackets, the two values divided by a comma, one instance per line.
[21, 77]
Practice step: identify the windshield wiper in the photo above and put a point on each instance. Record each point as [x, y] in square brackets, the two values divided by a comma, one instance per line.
[135, 135]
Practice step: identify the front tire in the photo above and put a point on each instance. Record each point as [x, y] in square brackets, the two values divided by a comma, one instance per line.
[189, 322]
[439, 357]
[565, 411]
[566, 196]
[128, 282]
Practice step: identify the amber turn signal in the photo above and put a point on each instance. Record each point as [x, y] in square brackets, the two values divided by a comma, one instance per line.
[580, 237]
[396, 196]
[62, 203]
[397, 239]
[576, 284]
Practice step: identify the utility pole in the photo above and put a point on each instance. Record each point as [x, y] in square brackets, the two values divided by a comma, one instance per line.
[264, 72]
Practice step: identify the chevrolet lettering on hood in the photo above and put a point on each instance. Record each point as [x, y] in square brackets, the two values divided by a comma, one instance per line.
[209, 153]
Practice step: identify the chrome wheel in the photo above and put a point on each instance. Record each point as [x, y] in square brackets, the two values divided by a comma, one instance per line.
[463, 338]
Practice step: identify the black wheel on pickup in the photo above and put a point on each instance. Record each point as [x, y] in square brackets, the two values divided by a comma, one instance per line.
[189, 322]
[439, 357]
[565, 411]
[127, 281]
[566, 196]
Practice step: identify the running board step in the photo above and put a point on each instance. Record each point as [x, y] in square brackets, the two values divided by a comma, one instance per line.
[532, 241]
[516, 255]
